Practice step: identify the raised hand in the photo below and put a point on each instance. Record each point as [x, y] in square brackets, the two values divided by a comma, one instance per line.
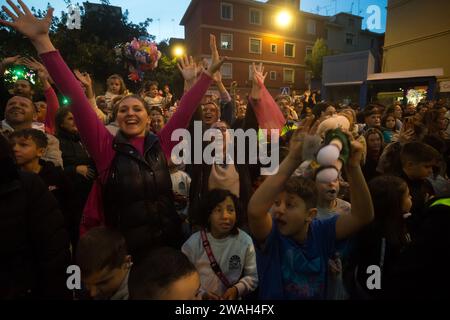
[258, 74]
[216, 62]
[7, 61]
[10, 60]
[25, 22]
[35, 65]
[84, 78]
[217, 77]
[188, 68]
[258, 81]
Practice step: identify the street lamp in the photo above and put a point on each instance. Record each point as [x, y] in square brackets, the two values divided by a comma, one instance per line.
[178, 51]
[284, 18]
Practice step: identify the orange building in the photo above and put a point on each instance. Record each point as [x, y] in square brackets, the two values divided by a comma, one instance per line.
[250, 31]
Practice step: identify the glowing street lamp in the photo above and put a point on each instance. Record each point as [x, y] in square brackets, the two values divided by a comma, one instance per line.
[283, 18]
[178, 51]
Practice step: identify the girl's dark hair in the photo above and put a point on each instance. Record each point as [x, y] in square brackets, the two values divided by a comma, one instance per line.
[211, 200]
[318, 109]
[61, 114]
[384, 119]
[387, 194]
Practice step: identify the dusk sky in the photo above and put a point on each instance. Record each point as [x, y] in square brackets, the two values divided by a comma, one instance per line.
[167, 14]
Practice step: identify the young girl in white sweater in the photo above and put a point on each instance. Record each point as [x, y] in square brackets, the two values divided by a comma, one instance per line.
[231, 248]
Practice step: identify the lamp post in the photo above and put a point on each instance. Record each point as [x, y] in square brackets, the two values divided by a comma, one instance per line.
[178, 51]
[283, 18]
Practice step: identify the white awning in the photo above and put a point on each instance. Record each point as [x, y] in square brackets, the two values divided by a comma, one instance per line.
[422, 73]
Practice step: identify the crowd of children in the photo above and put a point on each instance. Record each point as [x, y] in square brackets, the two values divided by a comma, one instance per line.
[96, 184]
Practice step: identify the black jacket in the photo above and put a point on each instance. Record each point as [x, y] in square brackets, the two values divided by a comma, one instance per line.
[62, 189]
[138, 198]
[74, 154]
[34, 245]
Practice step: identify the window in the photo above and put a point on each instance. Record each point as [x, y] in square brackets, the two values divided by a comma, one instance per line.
[226, 11]
[349, 38]
[273, 75]
[273, 48]
[288, 75]
[311, 27]
[351, 22]
[309, 50]
[255, 45]
[289, 49]
[255, 16]
[325, 34]
[227, 71]
[226, 41]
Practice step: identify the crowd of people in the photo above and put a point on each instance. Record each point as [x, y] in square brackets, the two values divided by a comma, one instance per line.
[95, 184]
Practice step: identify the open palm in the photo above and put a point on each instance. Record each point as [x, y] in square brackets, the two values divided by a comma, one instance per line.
[25, 22]
[258, 74]
[188, 68]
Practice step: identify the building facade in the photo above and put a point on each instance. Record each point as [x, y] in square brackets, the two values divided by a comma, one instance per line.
[248, 31]
[418, 37]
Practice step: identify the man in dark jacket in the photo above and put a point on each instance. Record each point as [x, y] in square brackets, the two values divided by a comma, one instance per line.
[34, 244]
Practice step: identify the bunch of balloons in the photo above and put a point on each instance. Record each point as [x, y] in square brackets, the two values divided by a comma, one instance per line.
[139, 55]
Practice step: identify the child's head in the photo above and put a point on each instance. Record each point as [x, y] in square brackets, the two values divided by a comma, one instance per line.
[418, 159]
[295, 208]
[103, 260]
[65, 121]
[151, 89]
[41, 110]
[374, 140]
[221, 213]
[165, 274]
[388, 122]
[28, 145]
[115, 84]
[372, 117]
[101, 103]
[391, 201]
[327, 191]
[155, 112]
[23, 88]
[157, 123]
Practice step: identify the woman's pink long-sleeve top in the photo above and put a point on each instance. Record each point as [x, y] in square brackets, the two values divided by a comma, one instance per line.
[98, 140]
[52, 107]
